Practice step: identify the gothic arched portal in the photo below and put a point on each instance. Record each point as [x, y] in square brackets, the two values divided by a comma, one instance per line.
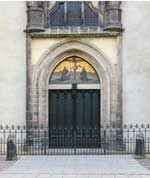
[71, 107]
[43, 71]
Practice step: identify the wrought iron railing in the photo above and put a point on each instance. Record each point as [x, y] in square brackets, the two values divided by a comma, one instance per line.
[46, 141]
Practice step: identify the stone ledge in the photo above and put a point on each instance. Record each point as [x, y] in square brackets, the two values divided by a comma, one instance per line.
[75, 31]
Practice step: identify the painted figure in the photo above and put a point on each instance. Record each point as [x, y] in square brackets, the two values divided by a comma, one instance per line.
[83, 75]
[65, 75]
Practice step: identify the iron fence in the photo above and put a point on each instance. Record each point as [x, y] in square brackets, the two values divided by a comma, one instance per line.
[45, 141]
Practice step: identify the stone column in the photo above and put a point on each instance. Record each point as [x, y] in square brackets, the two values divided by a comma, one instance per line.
[112, 16]
[35, 16]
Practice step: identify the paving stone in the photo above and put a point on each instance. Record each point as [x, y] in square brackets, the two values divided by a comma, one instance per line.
[30, 176]
[69, 176]
[145, 176]
[44, 176]
[4, 176]
[16, 176]
[121, 176]
[144, 162]
[108, 176]
[95, 176]
[57, 176]
[5, 164]
[97, 166]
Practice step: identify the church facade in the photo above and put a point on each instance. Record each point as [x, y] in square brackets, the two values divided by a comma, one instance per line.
[74, 64]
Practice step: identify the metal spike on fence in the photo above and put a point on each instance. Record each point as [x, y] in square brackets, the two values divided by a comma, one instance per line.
[42, 126]
[107, 126]
[131, 126]
[142, 125]
[113, 126]
[136, 125]
[125, 126]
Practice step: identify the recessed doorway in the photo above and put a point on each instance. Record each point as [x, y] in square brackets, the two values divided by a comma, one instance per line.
[74, 105]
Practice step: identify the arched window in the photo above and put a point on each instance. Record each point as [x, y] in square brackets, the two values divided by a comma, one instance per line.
[72, 13]
[74, 70]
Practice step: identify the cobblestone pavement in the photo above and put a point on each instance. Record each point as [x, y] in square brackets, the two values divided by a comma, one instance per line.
[75, 167]
[5, 164]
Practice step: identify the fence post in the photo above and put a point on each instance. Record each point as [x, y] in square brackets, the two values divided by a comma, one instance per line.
[104, 141]
[119, 138]
[140, 146]
[44, 142]
[11, 148]
[75, 139]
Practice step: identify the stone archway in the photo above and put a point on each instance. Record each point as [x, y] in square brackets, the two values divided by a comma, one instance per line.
[38, 96]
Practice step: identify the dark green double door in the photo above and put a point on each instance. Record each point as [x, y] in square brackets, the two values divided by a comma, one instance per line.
[74, 118]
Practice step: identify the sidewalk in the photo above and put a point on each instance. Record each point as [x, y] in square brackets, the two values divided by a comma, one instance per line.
[5, 164]
[98, 166]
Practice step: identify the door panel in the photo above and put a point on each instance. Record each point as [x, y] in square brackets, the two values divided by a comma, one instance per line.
[74, 116]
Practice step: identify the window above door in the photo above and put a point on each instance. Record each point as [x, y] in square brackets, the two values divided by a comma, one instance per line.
[73, 13]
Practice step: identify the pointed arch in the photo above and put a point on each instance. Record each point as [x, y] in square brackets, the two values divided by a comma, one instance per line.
[96, 58]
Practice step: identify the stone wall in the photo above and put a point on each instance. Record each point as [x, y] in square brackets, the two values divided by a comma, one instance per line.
[136, 62]
[108, 46]
[135, 59]
[46, 52]
[12, 63]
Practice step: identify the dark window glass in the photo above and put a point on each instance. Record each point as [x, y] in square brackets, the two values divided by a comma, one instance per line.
[74, 13]
[71, 15]
[56, 17]
[91, 17]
